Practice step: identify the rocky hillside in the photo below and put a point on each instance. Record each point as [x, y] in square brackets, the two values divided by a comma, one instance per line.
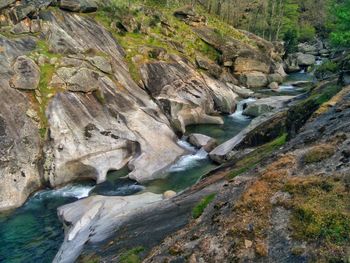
[87, 90]
[90, 87]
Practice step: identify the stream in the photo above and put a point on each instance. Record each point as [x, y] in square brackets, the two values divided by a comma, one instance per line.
[33, 233]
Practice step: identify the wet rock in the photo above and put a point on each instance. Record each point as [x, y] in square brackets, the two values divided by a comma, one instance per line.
[27, 74]
[254, 79]
[202, 141]
[84, 6]
[262, 106]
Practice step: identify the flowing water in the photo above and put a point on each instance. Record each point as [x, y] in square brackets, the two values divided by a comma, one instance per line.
[33, 233]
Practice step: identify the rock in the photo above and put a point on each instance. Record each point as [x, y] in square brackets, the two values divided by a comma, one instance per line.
[275, 78]
[307, 49]
[84, 6]
[263, 128]
[274, 86]
[27, 74]
[53, 61]
[183, 94]
[291, 63]
[41, 60]
[306, 60]
[6, 3]
[169, 194]
[213, 69]
[246, 62]
[248, 243]
[79, 79]
[21, 11]
[345, 78]
[33, 115]
[189, 16]
[129, 24]
[241, 91]
[101, 63]
[202, 141]
[253, 79]
[20, 150]
[94, 218]
[280, 198]
[203, 63]
[300, 83]
[262, 106]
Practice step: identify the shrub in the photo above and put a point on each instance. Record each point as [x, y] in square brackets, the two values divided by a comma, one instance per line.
[307, 33]
[319, 153]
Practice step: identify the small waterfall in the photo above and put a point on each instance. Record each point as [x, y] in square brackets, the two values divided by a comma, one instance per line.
[75, 191]
[189, 160]
[238, 114]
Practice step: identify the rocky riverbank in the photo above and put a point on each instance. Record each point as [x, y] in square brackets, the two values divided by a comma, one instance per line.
[87, 91]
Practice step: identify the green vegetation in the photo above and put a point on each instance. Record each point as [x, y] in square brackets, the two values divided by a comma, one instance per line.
[198, 210]
[319, 153]
[132, 255]
[255, 157]
[340, 23]
[307, 33]
[321, 214]
[326, 69]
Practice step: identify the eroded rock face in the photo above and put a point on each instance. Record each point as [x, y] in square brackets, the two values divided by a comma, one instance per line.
[27, 74]
[254, 79]
[20, 150]
[116, 125]
[186, 96]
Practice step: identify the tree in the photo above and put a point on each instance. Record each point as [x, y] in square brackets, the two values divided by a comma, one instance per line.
[340, 12]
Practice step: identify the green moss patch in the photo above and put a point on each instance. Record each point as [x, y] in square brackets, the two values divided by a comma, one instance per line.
[198, 210]
[255, 157]
[132, 255]
[321, 215]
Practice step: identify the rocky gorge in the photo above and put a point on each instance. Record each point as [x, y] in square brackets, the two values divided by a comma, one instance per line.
[86, 94]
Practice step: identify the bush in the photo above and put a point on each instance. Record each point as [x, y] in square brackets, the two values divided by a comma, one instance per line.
[326, 69]
[307, 33]
[319, 153]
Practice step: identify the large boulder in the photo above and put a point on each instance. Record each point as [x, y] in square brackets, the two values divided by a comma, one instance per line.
[306, 60]
[308, 49]
[202, 141]
[254, 79]
[262, 106]
[189, 16]
[84, 6]
[247, 63]
[27, 74]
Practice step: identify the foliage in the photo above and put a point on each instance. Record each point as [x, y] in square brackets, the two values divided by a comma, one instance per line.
[291, 41]
[307, 33]
[198, 210]
[132, 255]
[326, 68]
[340, 16]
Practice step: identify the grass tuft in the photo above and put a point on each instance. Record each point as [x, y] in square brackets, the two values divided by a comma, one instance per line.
[198, 210]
